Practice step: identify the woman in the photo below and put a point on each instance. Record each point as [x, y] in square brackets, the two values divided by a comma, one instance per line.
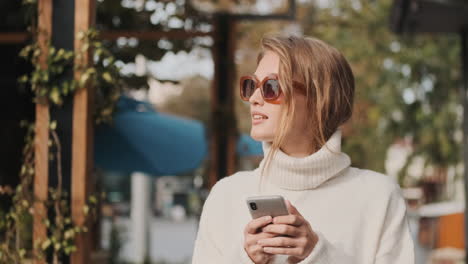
[338, 214]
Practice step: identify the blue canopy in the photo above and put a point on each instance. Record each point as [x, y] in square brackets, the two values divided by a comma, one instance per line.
[247, 146]
[141, 139]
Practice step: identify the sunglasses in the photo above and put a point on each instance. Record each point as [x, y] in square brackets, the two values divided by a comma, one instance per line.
[270, 87]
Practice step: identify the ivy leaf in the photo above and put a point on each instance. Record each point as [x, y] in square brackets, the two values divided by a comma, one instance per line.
[53, 125]
[52, 51]
[42, 92]
[86, 209]
[86, 76]
[106, 76]
[55, 96]
[60, 54]
[36, 53]
[24, 53]
[57, 246]
[23, 79]
[92, 199]
[107, 111]
[85, 47]
[69, 234]
[46, 244]
[80, 35]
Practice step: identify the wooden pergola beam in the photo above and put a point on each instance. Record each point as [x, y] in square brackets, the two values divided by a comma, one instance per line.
[41, 144]
[153, 35]
[13, 37]
[21, 37]
[82, 138]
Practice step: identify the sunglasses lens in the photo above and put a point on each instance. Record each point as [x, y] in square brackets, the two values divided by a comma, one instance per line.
[248, 88]
[271, 89]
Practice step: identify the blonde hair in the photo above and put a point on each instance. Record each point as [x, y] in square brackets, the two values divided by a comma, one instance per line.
[329, 84]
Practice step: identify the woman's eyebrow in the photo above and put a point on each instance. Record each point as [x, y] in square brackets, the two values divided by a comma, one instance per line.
[270, 73]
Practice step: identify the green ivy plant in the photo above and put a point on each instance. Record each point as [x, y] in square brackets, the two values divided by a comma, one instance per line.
[50, 84]
[14, 224]
[16, 243]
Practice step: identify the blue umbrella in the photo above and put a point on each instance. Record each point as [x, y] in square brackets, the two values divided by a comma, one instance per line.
[141, 139]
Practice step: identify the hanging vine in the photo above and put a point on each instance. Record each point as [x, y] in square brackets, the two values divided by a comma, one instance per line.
[16, 227]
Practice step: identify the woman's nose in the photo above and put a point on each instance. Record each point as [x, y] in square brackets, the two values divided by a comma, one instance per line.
[256, 97]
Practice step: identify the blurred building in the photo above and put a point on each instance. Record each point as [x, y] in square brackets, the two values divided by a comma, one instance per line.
[172, 191]
[435, 206]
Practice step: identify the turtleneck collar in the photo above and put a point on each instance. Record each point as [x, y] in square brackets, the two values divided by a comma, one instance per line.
[307, 172]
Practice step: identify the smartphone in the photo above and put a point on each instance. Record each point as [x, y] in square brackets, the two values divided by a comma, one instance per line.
[272, 205]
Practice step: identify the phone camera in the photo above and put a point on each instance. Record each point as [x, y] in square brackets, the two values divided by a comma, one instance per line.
[253, 206]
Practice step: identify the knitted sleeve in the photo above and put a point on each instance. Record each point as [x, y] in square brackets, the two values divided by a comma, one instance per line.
[395, 246]
[207, 250]
[209, 247]
[326, 253]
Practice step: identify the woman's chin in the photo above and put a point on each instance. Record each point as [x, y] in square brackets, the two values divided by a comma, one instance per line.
[260, 135]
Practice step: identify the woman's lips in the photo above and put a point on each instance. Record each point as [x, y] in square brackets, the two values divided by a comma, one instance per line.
[258, 118]
[256, 122]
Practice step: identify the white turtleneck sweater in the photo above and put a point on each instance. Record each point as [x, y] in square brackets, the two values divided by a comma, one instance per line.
[358, 215]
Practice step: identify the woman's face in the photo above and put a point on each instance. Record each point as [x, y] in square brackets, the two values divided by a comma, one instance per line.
[264, 126]
[264, 116]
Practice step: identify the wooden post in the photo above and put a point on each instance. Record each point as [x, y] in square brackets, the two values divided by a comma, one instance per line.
[82, 138]
[41, 176]
[231, 163]
[224, 132]
[224, 127]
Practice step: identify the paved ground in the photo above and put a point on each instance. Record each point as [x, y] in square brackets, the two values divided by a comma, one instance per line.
[170, 242]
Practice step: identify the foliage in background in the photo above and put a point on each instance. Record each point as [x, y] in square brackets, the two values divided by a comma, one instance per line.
[407, 86]
[149, 15]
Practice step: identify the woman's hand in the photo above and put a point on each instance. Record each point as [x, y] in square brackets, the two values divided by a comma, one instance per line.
[293, 236]
[252, 234]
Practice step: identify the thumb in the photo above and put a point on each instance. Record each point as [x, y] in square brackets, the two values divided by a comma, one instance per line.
[292, 209]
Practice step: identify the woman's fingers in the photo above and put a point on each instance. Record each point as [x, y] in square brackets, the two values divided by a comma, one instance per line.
[283, 235]
[254, 225]
[263, 235]
[290, 219]
[254, 250]
[283, 246]
[251, 239]
[283, 251]
[257, 254]
[284, 242]
[282, 229]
